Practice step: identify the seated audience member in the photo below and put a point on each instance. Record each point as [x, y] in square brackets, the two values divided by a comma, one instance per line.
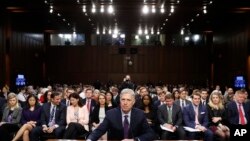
[217, 116]
[124, 122]
[11, 118]
[161, 99]
[170, 116]
[88, 101]
[195, 116]
[53, 119]
[5, 91]
[204, 97]
[66, 100]
[238, 110]
[149, 111]
[176, 95]
[110, 100]
[182, 101]
[99, 114]
[77, 118]
[30, 118]
[2, 105]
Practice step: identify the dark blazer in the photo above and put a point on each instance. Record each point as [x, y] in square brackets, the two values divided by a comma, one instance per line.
[92, 106]
[162, 114]
[16, 115]
[112, 123]
[233, 114]
[216, 113]
[117, 100]
[189, 116]
[2, 104]
[60, 116]
[63, 101]
[94, 117]
[186, 101]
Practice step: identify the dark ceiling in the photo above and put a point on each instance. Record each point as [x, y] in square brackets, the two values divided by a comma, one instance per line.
[68, 15]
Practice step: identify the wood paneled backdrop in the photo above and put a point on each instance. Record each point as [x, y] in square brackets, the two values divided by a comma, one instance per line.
[173, 65]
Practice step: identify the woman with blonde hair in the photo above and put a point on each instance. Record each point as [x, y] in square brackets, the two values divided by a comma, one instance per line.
[30, 118]
[11, 118]
[217, 116]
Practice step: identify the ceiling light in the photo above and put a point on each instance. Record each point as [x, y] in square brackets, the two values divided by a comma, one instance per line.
[110, 9]
[139, 31]
[136, 37]
[110, 31]
[153, 9]
[114, 36]
[182, 31]
[102, 9]
[93, 10]
[147, 37]
[196, 37]
[84, 8]
[145, 9]
[172, 9]
[186, 38]
[162, 10]
[146, 31]
[158, 32]
[122, 36]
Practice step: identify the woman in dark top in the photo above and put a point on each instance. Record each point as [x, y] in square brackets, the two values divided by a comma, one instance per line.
[149, 111]
[217, 116]
[110, 100]
[30, 118]
[99, 113]
[11, 118]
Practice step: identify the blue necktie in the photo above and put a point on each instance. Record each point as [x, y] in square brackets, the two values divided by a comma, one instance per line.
[126, 126]
[52, 113]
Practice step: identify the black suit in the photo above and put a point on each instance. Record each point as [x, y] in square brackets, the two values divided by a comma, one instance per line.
[60, 119]
[176, 121]
[2, 104]
[92, 104]
[113, 123]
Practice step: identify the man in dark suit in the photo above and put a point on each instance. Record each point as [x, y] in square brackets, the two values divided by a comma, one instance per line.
[88, 101]
[236, 110]
[53, 119]
[170, 116]
[66, 100]
[183, 98]
[195, 116]
[124, 122]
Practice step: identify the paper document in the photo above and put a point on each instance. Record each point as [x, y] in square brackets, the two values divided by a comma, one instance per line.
[191, 129]
[167, 129]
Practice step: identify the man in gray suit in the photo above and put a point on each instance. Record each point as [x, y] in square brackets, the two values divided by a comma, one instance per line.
[170, 117]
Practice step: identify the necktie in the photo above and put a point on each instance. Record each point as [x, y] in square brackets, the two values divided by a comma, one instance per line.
[242, 119]
[196, 115]
[126, 126]
[169, 115]
[182, 104]
[52, 114]
[88, 105]
[67, 104]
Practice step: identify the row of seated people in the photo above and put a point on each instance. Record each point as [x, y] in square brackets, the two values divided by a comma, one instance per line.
[54, 117]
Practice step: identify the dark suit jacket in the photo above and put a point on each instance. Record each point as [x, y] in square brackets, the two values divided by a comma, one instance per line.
[94, 117]
[60, 116]
[112, 123]
[162, 114]
[2, 104]
[186, 101]
[92, 106]
[189, 116]
[233, 114]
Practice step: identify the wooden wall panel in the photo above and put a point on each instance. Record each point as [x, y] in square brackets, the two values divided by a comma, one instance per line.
[169, 65]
